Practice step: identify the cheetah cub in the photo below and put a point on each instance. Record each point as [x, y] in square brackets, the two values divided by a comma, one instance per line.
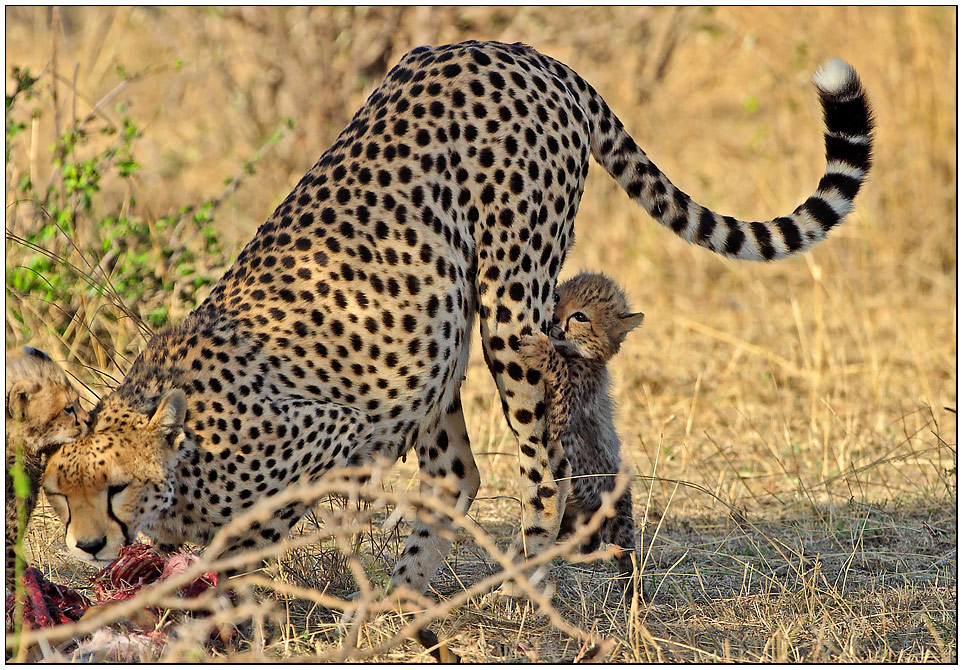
[43, 412]
[591, 320]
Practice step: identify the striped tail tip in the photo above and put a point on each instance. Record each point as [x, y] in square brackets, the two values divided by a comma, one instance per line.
[837, 80]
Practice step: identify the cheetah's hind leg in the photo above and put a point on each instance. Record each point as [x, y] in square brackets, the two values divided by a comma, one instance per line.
[442, 452]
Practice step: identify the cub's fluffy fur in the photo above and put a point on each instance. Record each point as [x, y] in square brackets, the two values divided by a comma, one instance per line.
[590, 322]
[42, 412]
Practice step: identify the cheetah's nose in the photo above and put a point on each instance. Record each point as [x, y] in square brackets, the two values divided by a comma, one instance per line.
[93, 547]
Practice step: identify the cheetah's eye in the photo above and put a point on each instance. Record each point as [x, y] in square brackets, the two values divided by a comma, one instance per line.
[70, 410]
[556, 297]
[579, 316]
[116, 488]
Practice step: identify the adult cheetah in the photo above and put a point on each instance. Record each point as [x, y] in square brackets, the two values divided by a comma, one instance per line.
[342, 331]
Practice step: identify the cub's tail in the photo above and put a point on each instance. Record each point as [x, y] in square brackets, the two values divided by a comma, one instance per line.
[849, 127]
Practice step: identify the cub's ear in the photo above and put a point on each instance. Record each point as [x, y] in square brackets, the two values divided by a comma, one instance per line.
[19, 397]
[628, 322]
[36, 353]
[169, 416]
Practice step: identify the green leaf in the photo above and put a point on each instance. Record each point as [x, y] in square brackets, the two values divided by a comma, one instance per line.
[127, 168]
[157, 317]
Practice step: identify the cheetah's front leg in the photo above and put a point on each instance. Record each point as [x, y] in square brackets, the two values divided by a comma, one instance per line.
[307, 438]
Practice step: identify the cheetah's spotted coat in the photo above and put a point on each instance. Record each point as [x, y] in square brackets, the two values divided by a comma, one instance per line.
[342, 330]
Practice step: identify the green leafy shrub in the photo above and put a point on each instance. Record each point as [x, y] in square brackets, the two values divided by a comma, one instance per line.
[87, 266]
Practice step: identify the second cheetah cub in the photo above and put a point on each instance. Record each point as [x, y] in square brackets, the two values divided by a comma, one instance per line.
[43, 412]
[591, 320]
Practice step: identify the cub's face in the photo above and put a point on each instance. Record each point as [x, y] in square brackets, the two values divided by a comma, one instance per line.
[108, 484]
[44, 414]
[588, 324]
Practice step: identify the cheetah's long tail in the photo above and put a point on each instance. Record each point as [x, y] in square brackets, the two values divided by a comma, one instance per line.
[849, 126]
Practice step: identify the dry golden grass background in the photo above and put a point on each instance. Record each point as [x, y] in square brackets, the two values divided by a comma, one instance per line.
[791, 426]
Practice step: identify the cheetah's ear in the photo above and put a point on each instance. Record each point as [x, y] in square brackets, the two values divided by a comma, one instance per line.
[169, 416]
[18, 397]
[628, 322]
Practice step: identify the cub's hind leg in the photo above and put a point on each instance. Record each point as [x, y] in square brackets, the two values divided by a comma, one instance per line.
[619, 531]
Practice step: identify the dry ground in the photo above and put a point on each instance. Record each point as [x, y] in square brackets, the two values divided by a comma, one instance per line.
[791, 427]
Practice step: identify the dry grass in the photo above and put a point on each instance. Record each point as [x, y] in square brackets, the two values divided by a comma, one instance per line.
[792, 426]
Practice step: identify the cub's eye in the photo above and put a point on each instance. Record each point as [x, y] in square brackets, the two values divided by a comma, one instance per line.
[579, 316]
[556, 297]
[70, 410]
[116, 488]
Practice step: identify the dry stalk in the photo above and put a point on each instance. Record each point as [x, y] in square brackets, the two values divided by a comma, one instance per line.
[340, 526]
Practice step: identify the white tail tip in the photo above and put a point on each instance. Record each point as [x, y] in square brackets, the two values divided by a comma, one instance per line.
[836, 78]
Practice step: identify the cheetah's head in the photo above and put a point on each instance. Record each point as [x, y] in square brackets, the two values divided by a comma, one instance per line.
[107, 485]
